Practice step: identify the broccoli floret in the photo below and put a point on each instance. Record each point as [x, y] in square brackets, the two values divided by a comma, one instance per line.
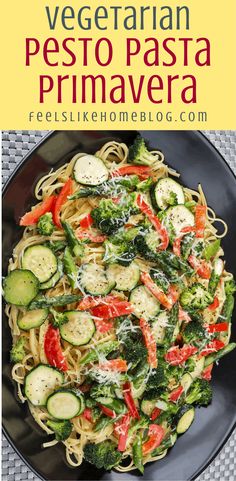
[58, 318]
[144, 249]
[157, 379]
[92, 404]
[139, 154]
[125, 235]
[109, 217]
[45, 224]
[102, 390]
[172, 199]
[161, 215]
[134, 349]
[62, 429]
[153, 393]
[123, 253]
[194, 333]
[145, 185]
[96, 413]
[230, 287]
[102, 455]
[196, 297]
[121, 248]
[200, 393]
[190, 364]
[191, 204]
[175, 372]
[18, 350]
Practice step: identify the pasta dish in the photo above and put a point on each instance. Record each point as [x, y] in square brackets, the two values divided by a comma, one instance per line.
[119, 304]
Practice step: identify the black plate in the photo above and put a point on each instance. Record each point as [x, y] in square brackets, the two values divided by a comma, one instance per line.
[198, 161]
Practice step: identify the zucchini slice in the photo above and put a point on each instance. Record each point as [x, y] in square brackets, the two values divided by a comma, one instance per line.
[177, 218]
[166, 192]
[153, 241]
[20, 287]
[199, 366]
[126, 278]
[65, 404]
[54, 279]
[41, 382]
[159, 327]
[186, 381]
[41, 261]
[184, 418]
[147, 406]
[144, 303]
[32, 319]
[90, 170]
[137, 392]
[79, 329]
[93, 280]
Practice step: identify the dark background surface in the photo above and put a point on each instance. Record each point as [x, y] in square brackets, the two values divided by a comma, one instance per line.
[197, 161]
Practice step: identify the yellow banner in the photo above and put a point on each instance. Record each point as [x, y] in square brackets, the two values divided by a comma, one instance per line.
[72, 65]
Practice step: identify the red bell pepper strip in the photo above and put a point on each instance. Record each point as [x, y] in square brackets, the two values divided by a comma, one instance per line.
[214, 304]
[176, 393]
[200, 220]
[89, 301]
[87, 414]
[84, 234]
[156, 434]
[52, 348]
[86, 221]
[173, 293]
[149, 342]
[140, 170]
[213, 346]
[119, 365]
[122, 428]
[220, 327]
[183, 315]
[61, 199]
[206, 373]
[103, 326]
[108, 311]
[33, 216]
[202, 268]
[177, 245]
[146, 209]
[177, 241]
[155, 413]
[177, 355]
[155, 290]
[108, 412]
[129, 401]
